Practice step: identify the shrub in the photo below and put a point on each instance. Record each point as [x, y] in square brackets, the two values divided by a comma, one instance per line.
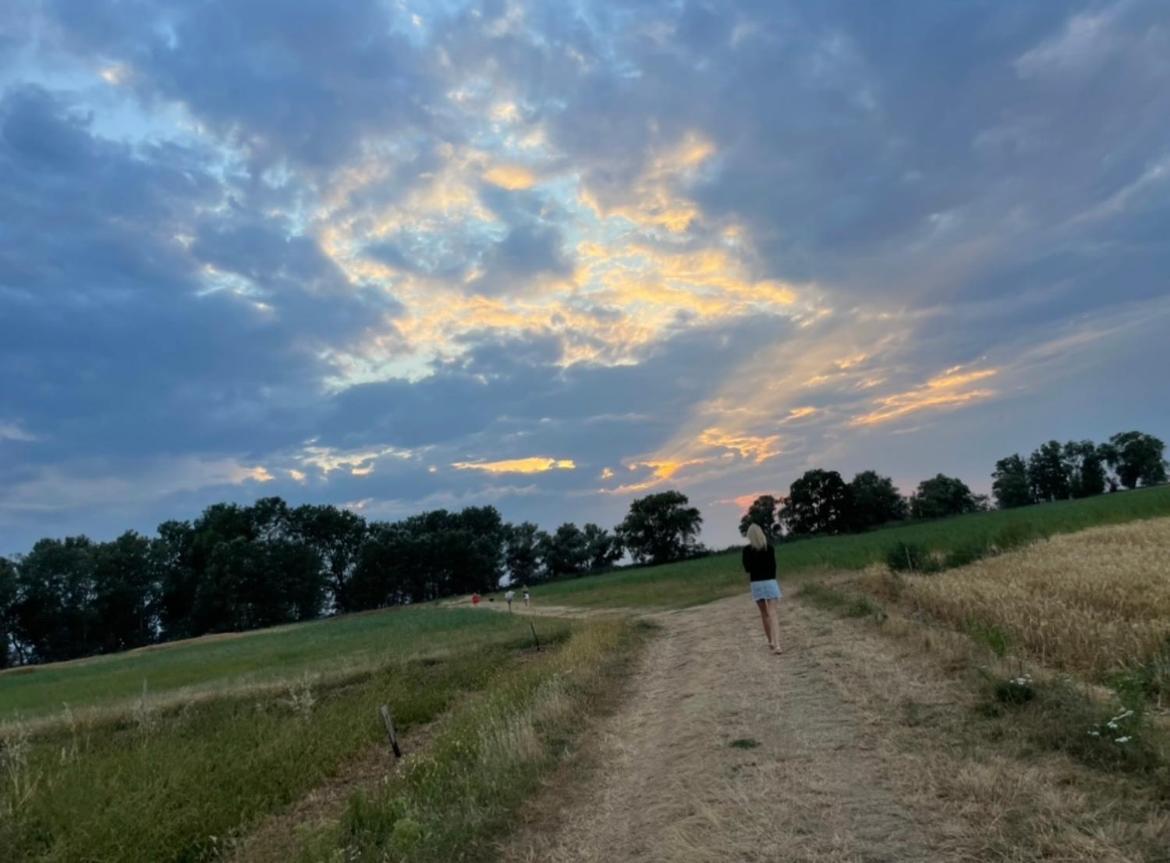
[966, 554]
[1015, 690]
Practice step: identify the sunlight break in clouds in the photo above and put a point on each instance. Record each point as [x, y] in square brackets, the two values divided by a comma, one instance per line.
[510, 177]
[950, 389]
[607, 296]
[757, 448]
[532, 464]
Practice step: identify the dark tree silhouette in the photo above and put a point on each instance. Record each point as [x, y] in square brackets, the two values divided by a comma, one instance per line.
[943, 496]
[522, 553]
[1138, 458]
[660, 528]
[1048, 473]
[1086, 468]
[817, 503]
[1010, 484]
[125, 596]
[602, 549]
[565, 552]
[873, 500]
[336, 535]
[54, 614]
[763, 512]
[7, 603]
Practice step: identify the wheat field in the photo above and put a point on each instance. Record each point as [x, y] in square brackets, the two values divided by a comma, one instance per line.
[1091, 603]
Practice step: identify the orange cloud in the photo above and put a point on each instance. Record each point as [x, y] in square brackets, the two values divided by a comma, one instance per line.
[533, 464]
[950, 389]
[746, 500]
[510, 177]
[758, 448]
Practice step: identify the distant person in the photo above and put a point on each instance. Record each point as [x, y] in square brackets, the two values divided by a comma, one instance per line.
[527, 598]
[509, 596]
[759, 562]
[475, 599]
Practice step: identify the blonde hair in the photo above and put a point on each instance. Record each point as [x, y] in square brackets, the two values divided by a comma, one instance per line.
[756, 537]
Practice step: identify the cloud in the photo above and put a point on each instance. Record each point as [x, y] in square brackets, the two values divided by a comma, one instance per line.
[949, 390]
[510, 177]
[531, 464]
[14, 432]
[348, 246]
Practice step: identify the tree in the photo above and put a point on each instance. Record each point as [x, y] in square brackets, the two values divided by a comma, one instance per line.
[761, 512]
[172, 554]
[943, 496]
[660, 528]
[54, 613]
[565, 552]
[7, 606]
[602, 549]
[1137, 458]
[425, 556]
[1010, 483]
[125, 592]
[817, 503]
[1086, 468]
[336, 535]
[1048, 473]
[873, 501]
[522, 552]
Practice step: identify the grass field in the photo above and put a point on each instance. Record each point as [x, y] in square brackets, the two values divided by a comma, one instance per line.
[187, 775]
[216, 663]
[697, 581]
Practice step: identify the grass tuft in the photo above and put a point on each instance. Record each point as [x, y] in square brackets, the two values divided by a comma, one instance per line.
[744, 743]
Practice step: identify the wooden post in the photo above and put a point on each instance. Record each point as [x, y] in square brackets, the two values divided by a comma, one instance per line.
[532, 626]
[390, 732]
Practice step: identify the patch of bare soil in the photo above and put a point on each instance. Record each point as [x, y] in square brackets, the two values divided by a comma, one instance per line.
[726, 752]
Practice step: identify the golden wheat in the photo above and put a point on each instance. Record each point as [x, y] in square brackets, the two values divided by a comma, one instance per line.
[1088, 603]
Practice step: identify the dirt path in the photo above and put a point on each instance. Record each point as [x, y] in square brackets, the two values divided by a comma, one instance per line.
[724, 752]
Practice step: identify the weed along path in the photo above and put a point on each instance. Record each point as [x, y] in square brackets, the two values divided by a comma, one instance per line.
[723, 752]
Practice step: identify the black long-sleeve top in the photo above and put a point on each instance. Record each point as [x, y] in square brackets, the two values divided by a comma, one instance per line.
[760, 565]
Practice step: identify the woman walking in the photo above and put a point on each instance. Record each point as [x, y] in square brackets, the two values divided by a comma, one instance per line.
[759, 562]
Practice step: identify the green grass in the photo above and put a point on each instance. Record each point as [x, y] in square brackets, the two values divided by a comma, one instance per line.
[694, 582]
[176, 783]
[218, 663]
[458, 799]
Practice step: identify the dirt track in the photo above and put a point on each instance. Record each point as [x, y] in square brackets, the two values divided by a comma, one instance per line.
[806, 782]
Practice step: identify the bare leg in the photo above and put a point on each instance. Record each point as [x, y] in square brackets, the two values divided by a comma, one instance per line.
[762, 604]
[774, 623]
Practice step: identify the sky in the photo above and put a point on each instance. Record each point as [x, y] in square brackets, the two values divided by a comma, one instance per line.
[399, 255]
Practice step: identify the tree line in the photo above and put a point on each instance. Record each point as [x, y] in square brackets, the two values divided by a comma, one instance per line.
[821, 502]
[239, 567]
[1056, 471]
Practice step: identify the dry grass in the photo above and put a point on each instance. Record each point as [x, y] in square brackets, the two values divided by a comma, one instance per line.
[1091, 603]
[992, 792]
[455, 800]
